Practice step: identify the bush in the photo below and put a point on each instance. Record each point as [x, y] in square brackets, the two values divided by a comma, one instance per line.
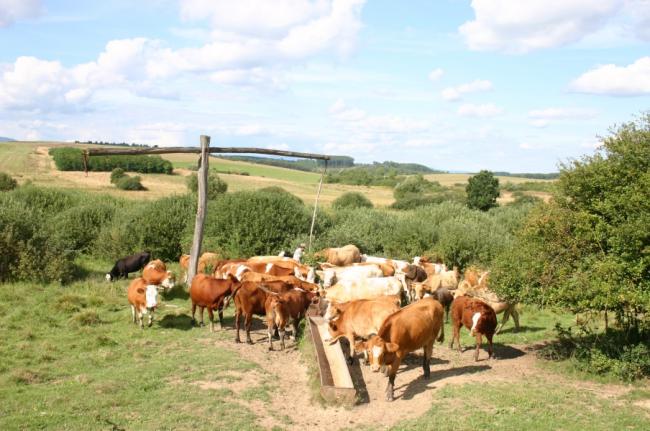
[158, 226]
[6, 182]
[252, 223]
[216, 186]
[129, 183]
[31, 249]
[280, 190]
[79, 226]
[71, 159]
[117, 174]
[352, 200]
[482, 191]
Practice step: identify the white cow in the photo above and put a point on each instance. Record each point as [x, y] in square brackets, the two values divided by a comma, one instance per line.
[364, 288]
[337, 273]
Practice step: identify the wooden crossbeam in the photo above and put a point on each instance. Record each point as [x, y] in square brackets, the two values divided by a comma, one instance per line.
[197, 150]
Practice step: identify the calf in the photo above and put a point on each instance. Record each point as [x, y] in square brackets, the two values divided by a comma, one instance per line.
[414, 326]
[284, 307]
[477, 316]
[210, 292]
[128, 264]
[143, 298]
[250, 300]
[155, 272]
[360, 318]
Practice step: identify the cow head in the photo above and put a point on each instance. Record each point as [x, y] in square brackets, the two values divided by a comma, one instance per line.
[329, 278]
[169, 282]
[151, 296]
[379, 351]
[333, 312]
[108, 277]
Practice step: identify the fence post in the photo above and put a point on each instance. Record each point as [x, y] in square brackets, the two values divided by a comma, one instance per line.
[201, 208]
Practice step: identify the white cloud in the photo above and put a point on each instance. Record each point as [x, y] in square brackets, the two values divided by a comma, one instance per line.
[436, 74]
[455, 93]
[562, 113]
[523, 26]
[14, 10]
[486, 110]
[163, 134]
[540, 123]
[609, 79]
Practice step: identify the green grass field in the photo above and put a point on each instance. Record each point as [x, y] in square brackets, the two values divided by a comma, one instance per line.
[72, 359]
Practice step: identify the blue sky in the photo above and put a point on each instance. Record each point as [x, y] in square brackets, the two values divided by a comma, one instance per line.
[456, 85]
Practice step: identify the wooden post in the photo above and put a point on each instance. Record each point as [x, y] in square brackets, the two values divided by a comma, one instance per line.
[201, 209]
[313, 217]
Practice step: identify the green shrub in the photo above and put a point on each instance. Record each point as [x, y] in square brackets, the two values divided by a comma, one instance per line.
[251, 223]
[71, 159]
[352, 200]
[79, 226]
[216, 186]
[6, 182]
[158, 226]
[117, 174]
[130, 183]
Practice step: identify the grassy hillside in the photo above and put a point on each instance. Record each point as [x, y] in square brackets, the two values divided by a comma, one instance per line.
[30, 161]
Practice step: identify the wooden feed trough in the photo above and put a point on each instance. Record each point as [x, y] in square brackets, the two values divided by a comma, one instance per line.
[335, 381]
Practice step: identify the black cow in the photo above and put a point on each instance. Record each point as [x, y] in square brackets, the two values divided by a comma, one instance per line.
[444, 296]
[415, 273]
[128, 264]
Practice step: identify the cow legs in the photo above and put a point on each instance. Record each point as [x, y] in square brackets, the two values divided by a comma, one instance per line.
[428, 350]
[211, 316]
[133, 313]
[479, 341]
[447, 313]
[504, 319]
[282, 332]
[237, 319]
[391, 378]
[455, 336]
[269, 330]
[248, 322]
[150, 318]
[202, 309]
[193, 313]
[220, 313]
[490, 351]
[350, 337]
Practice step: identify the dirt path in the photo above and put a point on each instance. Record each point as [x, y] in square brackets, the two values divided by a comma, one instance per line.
[292, 408]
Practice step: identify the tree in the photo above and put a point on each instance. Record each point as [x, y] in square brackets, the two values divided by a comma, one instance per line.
[589, 248]
[482, 191]
[352, 200]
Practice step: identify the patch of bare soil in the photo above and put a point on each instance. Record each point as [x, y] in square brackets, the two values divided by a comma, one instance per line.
[291, 396]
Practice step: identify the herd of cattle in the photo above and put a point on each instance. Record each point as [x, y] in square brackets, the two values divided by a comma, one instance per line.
[359, 296]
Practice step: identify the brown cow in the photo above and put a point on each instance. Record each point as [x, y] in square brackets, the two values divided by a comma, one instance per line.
[207, 262]
[360, 318]
[414, 326]
[250, 300]
[155, 272]
[289, 279]
[284, 307]
[342, 256]
[477, 316]
[143, 298]
[210, 292]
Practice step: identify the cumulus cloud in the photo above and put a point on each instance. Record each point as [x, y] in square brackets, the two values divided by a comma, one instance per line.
[14, 10]
[523, 26]
[455, 93]
[562, 113]
[485, 110]
[609, 79]
[436, 74]
[249, 43]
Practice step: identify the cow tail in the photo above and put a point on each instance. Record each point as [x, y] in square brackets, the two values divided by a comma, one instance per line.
[232, 296]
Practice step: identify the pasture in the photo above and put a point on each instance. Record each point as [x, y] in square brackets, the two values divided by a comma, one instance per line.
[29, 161]
[72, 359]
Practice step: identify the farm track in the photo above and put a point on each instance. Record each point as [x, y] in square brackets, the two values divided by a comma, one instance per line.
[292, 407]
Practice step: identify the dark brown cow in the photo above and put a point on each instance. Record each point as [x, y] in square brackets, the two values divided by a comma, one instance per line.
[360, 318]
[477, 316]
[249, 300]
[210, 292]
[445, 297]
[414, 326]
[284, 307]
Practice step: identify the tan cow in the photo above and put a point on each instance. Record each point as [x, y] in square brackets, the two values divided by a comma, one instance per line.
[143, 298]
[208, 261]
[341, 256]
[358, 319]
[156, 273]
[333, 274]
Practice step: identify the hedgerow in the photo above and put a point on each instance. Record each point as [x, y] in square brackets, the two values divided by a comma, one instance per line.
[71, 159]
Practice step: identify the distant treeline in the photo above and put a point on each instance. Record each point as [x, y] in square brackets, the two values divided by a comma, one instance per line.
[71, 159]
[387, 174]
[117, 144]
[551, 176]
[306, 165]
